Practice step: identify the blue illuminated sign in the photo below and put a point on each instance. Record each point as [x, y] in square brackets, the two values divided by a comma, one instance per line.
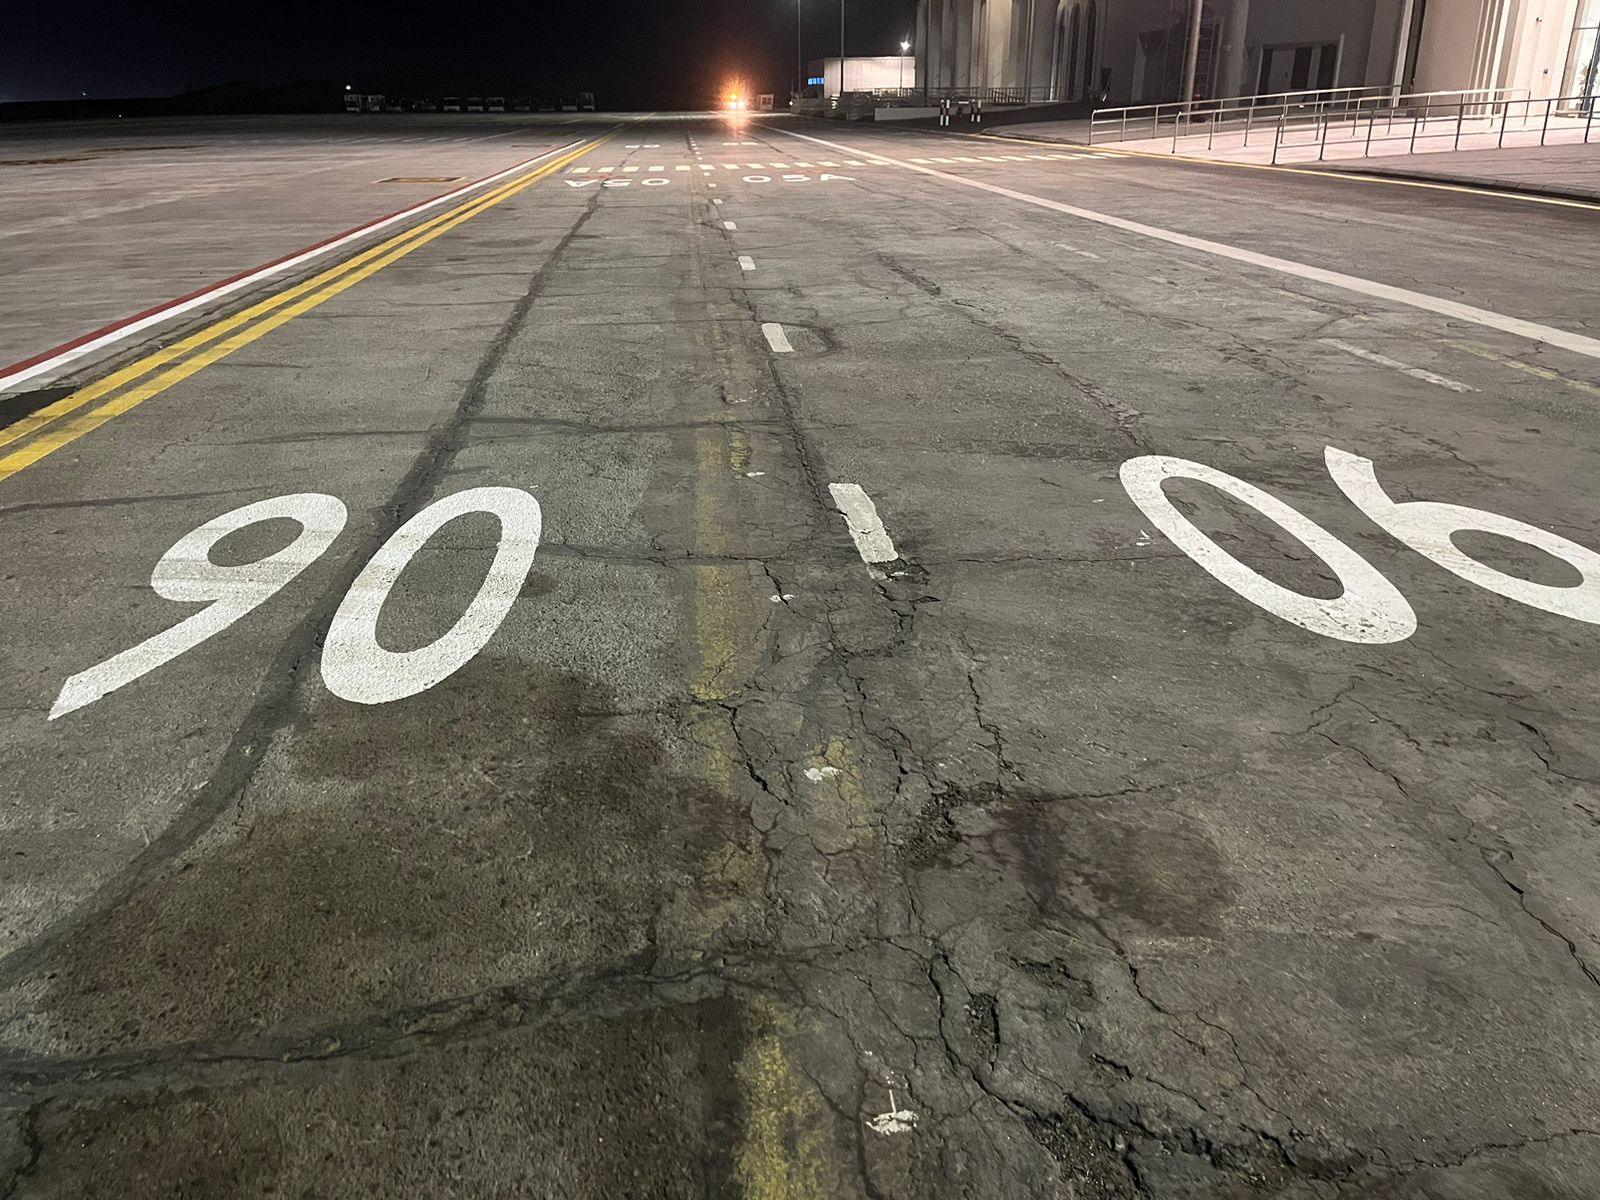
[816, 81]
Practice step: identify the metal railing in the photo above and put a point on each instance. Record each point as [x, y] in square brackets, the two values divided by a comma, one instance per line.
[929, 96]
[1147, 120]
[1506, 118]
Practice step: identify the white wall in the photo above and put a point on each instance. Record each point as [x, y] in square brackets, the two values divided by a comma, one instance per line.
[867, 74]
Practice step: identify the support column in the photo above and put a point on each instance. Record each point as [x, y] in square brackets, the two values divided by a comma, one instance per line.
[1236, 51]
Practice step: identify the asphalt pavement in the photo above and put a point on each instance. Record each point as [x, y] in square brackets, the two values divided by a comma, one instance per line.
[700, 656]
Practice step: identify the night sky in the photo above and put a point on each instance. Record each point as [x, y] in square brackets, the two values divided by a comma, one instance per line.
[631, 53]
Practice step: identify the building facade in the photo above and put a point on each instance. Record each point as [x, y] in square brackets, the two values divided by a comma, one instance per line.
[1133, 51]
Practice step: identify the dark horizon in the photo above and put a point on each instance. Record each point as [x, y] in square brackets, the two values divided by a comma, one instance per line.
[631, 54]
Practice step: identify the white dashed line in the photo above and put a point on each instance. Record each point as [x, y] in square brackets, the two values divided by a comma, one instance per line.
[730, 226]
[746, 263]
[1394, 365]
[776, 338]
[861, 517]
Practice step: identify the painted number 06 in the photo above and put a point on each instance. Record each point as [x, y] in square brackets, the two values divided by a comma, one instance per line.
[354, 666]
[1371, 609]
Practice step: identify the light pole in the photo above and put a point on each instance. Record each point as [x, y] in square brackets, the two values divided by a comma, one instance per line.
[799, 55]
[841, 49]
[905, 47]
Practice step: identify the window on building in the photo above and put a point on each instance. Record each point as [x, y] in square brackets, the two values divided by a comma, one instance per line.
[1583, 59]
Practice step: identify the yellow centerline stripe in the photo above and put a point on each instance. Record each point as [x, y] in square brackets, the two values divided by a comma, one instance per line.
[331, 282]
[35, 421]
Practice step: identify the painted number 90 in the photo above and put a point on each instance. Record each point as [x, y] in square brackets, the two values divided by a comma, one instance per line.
[1371, 609]
[354, 666]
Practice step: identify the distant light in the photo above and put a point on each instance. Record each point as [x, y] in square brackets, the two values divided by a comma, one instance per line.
[904, 47]
[347, 87]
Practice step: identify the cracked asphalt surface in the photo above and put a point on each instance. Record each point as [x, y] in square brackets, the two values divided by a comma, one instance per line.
[1033, 863]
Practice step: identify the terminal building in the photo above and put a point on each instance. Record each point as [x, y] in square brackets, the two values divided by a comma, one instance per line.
[1133, 51]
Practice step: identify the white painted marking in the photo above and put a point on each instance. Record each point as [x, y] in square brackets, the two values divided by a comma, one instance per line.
[754, 474]
[802, 164]
[776, 338]
[123, 331]
[716, 199]
[1428, 528]
[1394, 365]
[1371, 610]
[629, 170]
[654, 181]
[579, 171]
[826, 178]
[746, 263]
[604, 170]
[656, 168]
[818, 774]
[186, 574]
[758, 178]
[1576, 342]
[356, 668]
[707, 167]
[616, 183]
[854, 162]
[754, 166]
[681, 167]
[579, 182]
[778, 166]
[920, 160]
[730, 226]
[825, 163]
[730, 166]
[861, 516]
[896, 1120]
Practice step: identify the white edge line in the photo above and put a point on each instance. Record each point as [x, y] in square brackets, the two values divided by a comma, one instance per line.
[122, 332]
[776, 337]
[861, 517]
[1576, 342]
[1395, 365]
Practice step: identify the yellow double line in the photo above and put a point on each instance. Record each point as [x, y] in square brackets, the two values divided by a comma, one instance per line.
[44, 432]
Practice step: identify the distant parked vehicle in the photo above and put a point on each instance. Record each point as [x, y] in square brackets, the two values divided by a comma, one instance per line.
[518, 104]
[352, 101]
[451, 104]
[372, 102]
[497, 104]
[546, 106]
[474, 103]
[394, 106]
[586, 101]
[568, 104]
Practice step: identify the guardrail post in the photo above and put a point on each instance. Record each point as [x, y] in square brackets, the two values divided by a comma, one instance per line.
[1548, 105]
[1249, 115]
[1372, 119]
[1277, 138]
[1505, 114]
[1461, 115]
[1414, 122]
[1588, 123]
